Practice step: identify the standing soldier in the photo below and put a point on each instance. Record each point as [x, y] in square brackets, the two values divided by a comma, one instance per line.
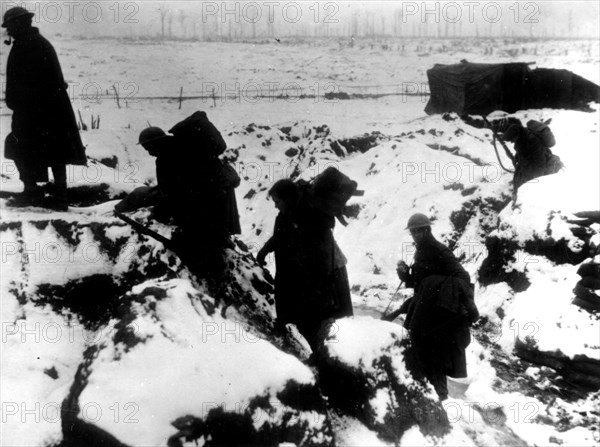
[311, 282]
[442, 308]
[285, 244]
[44, 130]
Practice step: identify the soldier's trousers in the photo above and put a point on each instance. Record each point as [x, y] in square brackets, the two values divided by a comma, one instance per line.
[426, 351]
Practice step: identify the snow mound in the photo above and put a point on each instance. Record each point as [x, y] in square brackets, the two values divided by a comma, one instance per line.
[536, 249]
[65, 276]
[162, 376]
[364, 371]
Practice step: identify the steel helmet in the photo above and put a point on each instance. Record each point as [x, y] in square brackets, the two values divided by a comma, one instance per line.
[417, 221]
[13, 13]
[151, 134]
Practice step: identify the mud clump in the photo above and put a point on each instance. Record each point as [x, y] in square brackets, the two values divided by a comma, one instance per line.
[94, 298]
[502, 252]
[361, 144]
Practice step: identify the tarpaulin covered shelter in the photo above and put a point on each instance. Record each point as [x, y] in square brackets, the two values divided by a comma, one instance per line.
[559, 89]
[479, 89]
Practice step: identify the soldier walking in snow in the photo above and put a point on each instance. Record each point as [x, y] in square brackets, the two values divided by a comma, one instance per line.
[442, 308]
[285, 245]
[44, 130]
[311, 283]
[196, 189]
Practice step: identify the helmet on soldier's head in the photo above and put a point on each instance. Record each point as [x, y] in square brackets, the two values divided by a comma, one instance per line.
[151, 134]
[536, 126]
[418, 221]
[13, 13]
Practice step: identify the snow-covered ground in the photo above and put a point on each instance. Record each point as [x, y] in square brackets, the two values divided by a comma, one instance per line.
[159, 353]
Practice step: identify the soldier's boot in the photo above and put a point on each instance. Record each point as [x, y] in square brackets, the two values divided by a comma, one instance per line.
[58, 200]
[439, 382]
[32, 195]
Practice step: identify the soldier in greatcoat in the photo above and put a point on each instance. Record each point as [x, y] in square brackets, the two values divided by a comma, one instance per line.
[196, 189]
[442, 309]
[44, 130]
[311, 281]
[533, 156]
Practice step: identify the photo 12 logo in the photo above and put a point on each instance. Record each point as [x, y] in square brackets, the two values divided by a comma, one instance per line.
[492, 412]
[255, 12]
[76, 11]
[53, 332]
[470, 12]
[271, 171]
[253, 92]
[50, 412]
[94, 92]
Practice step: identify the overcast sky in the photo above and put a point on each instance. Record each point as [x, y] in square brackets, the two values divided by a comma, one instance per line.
[137, 18]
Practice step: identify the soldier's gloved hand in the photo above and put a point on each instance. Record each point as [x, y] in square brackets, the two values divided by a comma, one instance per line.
[120, 207]
[402, 269]
[473, 318]
[479, 322]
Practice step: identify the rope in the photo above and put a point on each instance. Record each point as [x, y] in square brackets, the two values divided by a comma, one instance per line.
[498, 156]
[508, 154]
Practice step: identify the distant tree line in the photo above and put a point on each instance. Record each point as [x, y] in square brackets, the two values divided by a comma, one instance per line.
[181, 24]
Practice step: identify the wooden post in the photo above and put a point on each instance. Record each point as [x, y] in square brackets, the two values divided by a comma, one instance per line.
[95, 122]
[180, 96]
[83, 126]
[117, 96]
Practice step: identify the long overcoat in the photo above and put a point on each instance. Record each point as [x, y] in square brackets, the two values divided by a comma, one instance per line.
[531, 157]
[44, 129]
[198, 190]
[439, 314]
[311, 281]
[286, 244]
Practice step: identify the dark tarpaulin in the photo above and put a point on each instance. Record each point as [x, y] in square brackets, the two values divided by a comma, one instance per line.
[476, 89]
[479, 89]
[560, 89]
[547, 84]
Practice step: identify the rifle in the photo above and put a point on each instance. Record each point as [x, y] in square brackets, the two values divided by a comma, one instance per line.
[168, 243]
[394, 314]
[506, 150]
[391, 299]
